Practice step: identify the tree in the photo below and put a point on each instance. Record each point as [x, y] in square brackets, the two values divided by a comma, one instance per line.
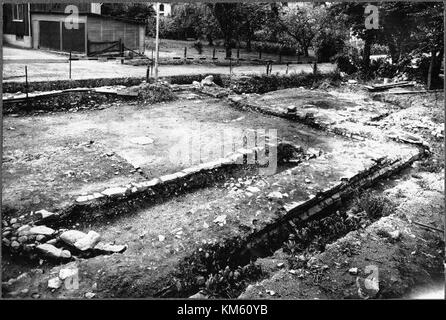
[405, 28]
[253, 18]
[353, 18]
[133, 11]
[227, 17]
[311, 26]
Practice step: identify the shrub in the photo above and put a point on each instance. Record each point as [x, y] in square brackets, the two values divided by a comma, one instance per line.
[266, 83]
[375, 205]
[154, 93]
[345, 64]
[199, 46]
[277, 48]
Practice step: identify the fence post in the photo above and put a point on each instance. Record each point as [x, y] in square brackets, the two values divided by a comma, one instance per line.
[238, 53]
[70, 67]
[287, 65]
[260, 54]
[230, 66]
[213, 53]
[26, 86]
[121, 49]
[280, 57]
[185, 53]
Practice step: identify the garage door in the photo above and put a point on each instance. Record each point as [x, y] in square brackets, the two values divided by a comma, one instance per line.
[49, 35]
[51, 38]
[73, 39]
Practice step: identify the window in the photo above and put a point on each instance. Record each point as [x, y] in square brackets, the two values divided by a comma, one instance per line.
[161, 8]
[17, 12]
[19, 37]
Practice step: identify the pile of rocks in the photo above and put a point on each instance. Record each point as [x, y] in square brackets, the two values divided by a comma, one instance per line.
[42, 241]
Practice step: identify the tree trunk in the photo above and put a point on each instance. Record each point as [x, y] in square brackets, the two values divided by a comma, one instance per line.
[210, 40]
[305, 48]
[366, 53]
[433, 79]
[393, 52]
[248, 44]
[228, 48]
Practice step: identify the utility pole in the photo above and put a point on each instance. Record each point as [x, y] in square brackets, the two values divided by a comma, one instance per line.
[157, 40]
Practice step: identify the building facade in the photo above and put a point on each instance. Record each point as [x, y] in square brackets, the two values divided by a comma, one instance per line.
[47, 26]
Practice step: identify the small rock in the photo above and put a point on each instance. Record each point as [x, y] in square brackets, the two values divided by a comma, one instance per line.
[71, 236]
[42, 230]
[353, 271]
[44, 214]
[198, 295]
[15, 245]
[253, 189]
[110, 248]
[65, 254]
[52, 241]
[275, 195]
[51, 251]
[88, 242]
[6, 242]
[89, 295]
[68, 273]
[280, 265]
[54, 283]
[291, 109]
[161, 238]
[40, 237]
[395, 235]
[270, 292]
[23, 230]
[220, 220]
[13, 220]
[22, 239]
[208, 81]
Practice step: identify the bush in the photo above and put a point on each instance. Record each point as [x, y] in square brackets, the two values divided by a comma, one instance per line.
[375, 205]
[154, 93]
[266, 83]
[276, 48]
[345, 64]
[199, 46]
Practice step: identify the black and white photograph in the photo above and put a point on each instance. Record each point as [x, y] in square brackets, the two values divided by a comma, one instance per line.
[223, 151]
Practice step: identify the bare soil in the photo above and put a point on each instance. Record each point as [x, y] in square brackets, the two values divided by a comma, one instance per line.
[186, 223]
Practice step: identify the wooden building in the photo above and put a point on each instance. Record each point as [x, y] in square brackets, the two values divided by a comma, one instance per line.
[43, 26]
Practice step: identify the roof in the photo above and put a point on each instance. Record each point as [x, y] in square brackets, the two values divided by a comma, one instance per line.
[89, 14]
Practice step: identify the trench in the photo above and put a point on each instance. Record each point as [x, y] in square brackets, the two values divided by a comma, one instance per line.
[220, 262]
[227, 267]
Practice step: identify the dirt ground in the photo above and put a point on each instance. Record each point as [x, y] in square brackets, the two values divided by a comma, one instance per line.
[83, 69]
[51, 159]
[161, 236]
[409, 266]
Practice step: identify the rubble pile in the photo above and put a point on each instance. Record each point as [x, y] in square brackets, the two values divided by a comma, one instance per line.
[40, 241]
